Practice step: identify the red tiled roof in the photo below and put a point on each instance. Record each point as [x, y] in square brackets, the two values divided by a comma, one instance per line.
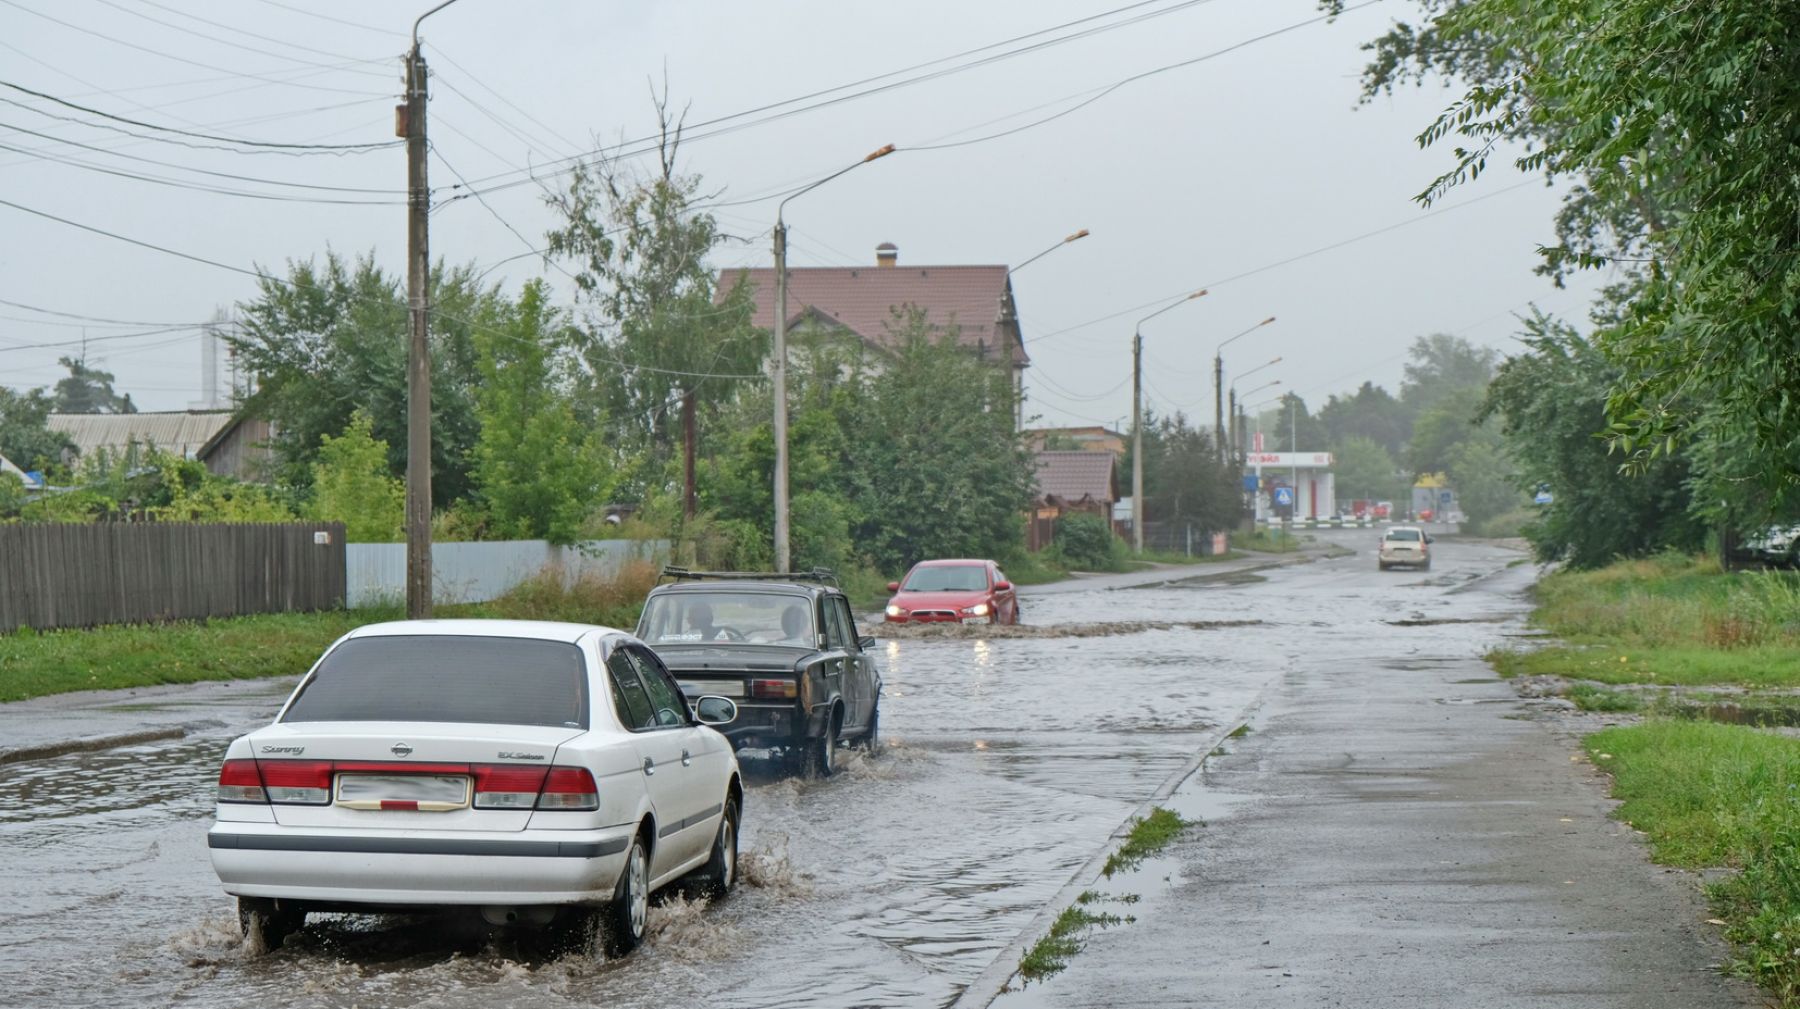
[863, 298]
[1075, 475]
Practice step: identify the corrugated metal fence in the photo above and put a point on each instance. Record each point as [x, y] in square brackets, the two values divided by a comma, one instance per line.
[127, 572]
[478, 572]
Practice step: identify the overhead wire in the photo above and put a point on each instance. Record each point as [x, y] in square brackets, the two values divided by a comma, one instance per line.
[238, 141]
[288, 42]
[227, 42]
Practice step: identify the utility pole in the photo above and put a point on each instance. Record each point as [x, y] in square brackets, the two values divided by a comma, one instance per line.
[1137, 420]
[779, 377]
[418, 349]
[1219, 406]
[688, 495]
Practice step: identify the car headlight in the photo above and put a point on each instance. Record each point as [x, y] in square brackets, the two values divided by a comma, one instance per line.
[895, 611]
[977, 610]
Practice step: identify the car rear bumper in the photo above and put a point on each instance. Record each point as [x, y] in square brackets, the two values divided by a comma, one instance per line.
[417, 867]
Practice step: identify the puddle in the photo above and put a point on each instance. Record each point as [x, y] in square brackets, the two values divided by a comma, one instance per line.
[961, 632]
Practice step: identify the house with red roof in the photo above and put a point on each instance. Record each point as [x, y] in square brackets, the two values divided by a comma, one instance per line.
[974, 302]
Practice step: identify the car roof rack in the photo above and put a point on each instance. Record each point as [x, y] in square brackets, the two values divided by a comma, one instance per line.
[824, 576]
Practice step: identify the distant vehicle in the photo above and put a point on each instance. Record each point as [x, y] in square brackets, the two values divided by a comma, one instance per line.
[1780, 546]
[542, 774]
[1383, 509]
[783, 646]
[1406, 545]
[953, 591]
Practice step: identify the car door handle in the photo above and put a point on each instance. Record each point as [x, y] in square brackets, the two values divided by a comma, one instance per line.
[686, 759]
[649, 766]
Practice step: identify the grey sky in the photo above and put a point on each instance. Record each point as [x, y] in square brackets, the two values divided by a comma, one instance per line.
[1186, 178]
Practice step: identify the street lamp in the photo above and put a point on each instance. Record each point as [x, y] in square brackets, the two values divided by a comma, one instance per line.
[1231, 413]
[1083, 233]
[1218, 383]
[1137, 420]
[780, 358]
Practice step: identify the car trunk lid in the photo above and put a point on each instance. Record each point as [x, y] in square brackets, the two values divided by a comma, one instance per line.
[405, 776]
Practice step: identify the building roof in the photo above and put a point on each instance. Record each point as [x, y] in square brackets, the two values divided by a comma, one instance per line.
[863, 299]
[181, 431]
[1076, 475]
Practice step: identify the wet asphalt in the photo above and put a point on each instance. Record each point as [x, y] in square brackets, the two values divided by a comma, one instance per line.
[1386, 834]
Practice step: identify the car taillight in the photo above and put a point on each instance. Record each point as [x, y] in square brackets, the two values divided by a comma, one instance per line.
[784, 690]
[508, 786]
[569, 788]
[296, 782]
[239, 782]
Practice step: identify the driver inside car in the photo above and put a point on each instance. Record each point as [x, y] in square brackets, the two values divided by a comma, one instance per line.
[700, 622]
[793, 623]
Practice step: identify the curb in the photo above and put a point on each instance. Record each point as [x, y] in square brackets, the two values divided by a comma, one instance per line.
[991, 982]
[87, 744]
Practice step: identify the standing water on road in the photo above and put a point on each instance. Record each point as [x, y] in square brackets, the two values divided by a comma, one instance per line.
[1007, 762]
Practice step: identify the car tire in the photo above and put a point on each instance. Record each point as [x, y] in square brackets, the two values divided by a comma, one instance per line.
[625, 919]
[1425, 566]
[720, 873]
[870, 740]
[819, 757]
[266, 923]
[1382, 564]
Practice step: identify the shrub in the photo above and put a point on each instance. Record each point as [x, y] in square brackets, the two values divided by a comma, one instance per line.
[1086, 541]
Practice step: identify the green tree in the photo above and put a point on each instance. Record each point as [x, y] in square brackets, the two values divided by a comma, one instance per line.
[1363, 468]
[1371, 413]
[25, 435]
[1289, 423]
[89, 390]
[935, 465]
[1443, 366]
[1551, 403]
[1184, 483]
[540, 472]
[329, 340]
[351, 484]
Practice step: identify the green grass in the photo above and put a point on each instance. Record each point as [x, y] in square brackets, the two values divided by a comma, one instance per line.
[1270, 542]
[1147, 837]
[1672, 620]
[1722, 795]
[1588, 697]
[1051, 953]
[33, 664]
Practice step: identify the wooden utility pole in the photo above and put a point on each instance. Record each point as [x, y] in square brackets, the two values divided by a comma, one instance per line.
[688, 496]
[418, 356]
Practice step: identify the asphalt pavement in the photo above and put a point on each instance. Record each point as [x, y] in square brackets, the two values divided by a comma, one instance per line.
[1401, 833]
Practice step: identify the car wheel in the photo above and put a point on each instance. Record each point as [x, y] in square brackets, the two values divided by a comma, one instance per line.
[626, 917]
[267, 923]
[821, 753]
[1425, 566]
[871, 739]
[721, 867]
[1382, 564]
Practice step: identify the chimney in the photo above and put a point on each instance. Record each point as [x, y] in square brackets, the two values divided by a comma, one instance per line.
[887, 254]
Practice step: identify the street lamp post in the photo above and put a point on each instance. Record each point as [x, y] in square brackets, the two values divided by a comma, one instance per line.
[1231, 415]
[1137, 420]
[1219, 382]
[779, 364]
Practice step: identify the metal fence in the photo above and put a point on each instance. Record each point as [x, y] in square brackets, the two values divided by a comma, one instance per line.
[478, 572]
[129, 572]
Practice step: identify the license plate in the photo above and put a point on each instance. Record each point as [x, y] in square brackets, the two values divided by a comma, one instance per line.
[423, 792]
[724, 688]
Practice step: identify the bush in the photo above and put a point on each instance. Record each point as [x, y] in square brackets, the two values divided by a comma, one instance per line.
[1087, 542]
[609, 600]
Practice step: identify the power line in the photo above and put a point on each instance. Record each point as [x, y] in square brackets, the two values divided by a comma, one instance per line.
[327, 17]
[290, 43]
[85, 319]
[235, 45]
[195, 186]
[164, 55]
[1291, 259]
[240, 141]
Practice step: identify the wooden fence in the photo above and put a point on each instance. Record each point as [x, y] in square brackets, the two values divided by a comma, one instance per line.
[119, 572]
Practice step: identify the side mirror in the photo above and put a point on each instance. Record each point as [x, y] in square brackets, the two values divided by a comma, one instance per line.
[1003, 586]
[715, 710]
[865, 643]
[1428, 539]
[893, 586]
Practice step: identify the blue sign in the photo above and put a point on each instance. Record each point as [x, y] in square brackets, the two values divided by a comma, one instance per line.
[1444, 498]
[1250, 482]
[1542, 497]
[1284, 496]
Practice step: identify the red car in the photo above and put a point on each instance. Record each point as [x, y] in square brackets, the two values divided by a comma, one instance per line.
[957, 591]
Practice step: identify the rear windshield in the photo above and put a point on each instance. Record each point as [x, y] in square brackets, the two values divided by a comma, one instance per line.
[447, 678]
[947, 578]
[1404, 535]
[756, 617]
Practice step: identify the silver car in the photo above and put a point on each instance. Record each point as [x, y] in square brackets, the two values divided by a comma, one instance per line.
[542, 774]
[1407, 545]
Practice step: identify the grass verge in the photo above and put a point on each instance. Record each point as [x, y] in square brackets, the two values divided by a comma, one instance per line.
[1722, 795]
[1051, 953]
[34, 664]
[1147, 837]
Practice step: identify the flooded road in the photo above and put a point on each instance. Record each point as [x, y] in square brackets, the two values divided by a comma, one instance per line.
[1007, 763]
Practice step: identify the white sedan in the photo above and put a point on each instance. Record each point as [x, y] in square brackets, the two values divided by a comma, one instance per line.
[545, 774]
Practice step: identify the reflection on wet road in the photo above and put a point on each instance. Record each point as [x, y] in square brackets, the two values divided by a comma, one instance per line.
[1007, 763]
